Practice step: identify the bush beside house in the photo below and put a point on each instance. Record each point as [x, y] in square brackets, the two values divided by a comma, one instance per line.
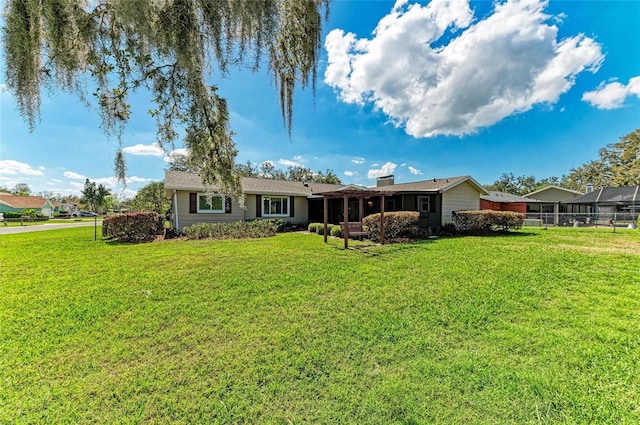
[485, 221]
[397, 225]
[134, 227]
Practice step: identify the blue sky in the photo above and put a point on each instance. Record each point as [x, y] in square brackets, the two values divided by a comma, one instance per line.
[418, 90]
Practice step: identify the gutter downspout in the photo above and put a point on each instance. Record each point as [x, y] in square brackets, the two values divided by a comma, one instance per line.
[175, 209]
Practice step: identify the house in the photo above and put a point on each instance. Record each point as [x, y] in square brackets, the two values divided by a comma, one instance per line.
[501, 201]
[550, 198]
[14, 203]
[298, 202]
[606, 200]
[264, 198]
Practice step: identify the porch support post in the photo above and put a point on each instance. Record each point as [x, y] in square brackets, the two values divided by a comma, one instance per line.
[345, 229]
[360, 209]
[556, 213]
[382, 219]
[326, 216]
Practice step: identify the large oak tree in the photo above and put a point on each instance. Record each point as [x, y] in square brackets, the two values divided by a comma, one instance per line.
[112, 48]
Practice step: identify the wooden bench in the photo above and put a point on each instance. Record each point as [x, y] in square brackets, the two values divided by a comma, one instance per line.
[355, 228]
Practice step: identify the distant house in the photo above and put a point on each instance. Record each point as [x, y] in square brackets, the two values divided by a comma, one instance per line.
[14, 203]
[606, 200]
[501, 201]
[297, 202]
[550, 198]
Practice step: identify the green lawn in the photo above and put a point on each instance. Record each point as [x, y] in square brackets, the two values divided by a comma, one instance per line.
[538, 327]
[50, 221]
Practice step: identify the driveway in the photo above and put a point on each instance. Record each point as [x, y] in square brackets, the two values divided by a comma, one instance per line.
[47, 226]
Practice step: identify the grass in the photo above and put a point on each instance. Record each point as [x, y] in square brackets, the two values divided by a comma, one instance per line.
[539, 327]
[50, 221]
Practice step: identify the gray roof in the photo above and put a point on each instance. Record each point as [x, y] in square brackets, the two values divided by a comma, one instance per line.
[181, 180]
[432, 185]
[552, 186]
[496, 196]
[608, 195]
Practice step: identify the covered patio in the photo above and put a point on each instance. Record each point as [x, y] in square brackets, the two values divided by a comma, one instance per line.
[360, 194]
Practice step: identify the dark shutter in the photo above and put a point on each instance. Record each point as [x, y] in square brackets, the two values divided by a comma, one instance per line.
[227, 204]
[291, 203]
[193, 203]
[258, 205]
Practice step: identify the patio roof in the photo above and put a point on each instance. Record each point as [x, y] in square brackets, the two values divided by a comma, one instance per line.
[609, 195]
[353, 191]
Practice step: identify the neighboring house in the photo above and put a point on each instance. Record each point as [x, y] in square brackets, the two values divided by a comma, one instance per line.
[298, 202]
[501, 201]
[14, 203]
[550, 198]
[606, 200]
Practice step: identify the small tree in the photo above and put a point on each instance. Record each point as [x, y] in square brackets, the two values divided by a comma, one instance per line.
[21, 189]
[95, 196]
[151, 198]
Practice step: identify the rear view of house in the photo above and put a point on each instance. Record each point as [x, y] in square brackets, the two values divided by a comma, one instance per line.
[300, 203]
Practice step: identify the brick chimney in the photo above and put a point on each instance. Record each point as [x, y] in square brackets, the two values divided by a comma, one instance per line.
[385, 181]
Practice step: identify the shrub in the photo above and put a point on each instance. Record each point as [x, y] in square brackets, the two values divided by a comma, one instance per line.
[234, 230]
[335, 231]
[320, 229]
[397, 224]
[486, 221]
[13, 215]
[313, 227]
[133, 227]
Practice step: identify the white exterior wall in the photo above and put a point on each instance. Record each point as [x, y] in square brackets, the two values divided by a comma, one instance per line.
[462, 197]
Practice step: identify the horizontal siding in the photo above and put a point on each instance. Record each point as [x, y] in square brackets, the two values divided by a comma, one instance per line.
[462, 197]
[553, 195]
[186, 219]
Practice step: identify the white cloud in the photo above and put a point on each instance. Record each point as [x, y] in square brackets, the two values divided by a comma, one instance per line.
[268, 163]
[387, 168]
[612, 95]
[144, 150]
[11, 167]
[136, 179]
[437, 70]
[414, 171]
[170, 156]
[289, 163]
[350, 173]
[358, 160]
[75, 176]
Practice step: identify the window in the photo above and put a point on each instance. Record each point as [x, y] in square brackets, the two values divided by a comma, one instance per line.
[210, 203]
[424, 204]
[275, 206]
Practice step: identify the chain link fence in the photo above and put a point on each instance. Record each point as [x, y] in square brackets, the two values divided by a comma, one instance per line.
[608, 219]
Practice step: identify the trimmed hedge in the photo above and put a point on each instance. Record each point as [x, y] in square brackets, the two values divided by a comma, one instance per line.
[133, 227]
[486, 221]
[313, 227]
[233, 230]
[397, 224]
[25, 213]
[335, 230]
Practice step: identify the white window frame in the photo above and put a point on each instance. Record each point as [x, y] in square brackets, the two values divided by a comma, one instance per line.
[210, 211]
[267, 199]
